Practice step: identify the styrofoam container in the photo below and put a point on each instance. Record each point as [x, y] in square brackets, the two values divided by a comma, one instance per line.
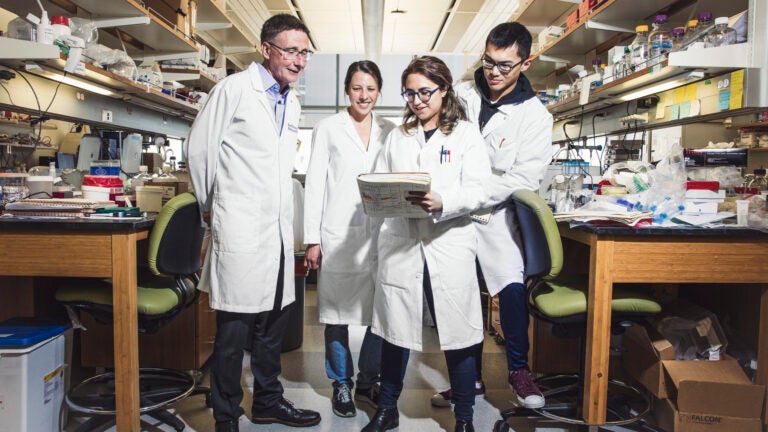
[97, 193]
[32, 384]
[149, 198]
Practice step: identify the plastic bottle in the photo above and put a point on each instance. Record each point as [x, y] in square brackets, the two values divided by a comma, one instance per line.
[44, 30]
[597, 70]
[659, 41]
[677, 34]
[52, 170]
[60, 27]
[721, 34]
[639, 49]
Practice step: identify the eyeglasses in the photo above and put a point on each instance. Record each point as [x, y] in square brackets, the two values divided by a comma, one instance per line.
[424, 94]
[504, 67]
[292, 53]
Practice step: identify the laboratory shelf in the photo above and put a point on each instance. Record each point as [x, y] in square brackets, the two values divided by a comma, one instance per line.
[217, 29]
[542, 13]
[158, 38]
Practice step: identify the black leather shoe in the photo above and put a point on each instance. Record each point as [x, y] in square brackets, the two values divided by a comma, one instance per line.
[383, 420]
[464, 426]
[227, 426]
[285, 413]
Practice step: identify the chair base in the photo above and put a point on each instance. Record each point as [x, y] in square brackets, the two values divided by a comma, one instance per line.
[626, 405]
[158, 389]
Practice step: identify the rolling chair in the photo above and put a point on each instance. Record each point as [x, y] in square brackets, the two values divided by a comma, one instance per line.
[562, 301]
[164, 290]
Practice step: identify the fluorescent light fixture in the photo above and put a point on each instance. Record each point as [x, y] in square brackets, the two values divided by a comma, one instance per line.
[37, 70]
[658, 88]
[80, 84]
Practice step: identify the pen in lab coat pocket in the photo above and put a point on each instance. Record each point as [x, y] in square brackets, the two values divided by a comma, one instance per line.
[502, 142]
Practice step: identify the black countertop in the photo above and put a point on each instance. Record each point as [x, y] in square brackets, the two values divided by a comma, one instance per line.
[78, 224]
[688, 231]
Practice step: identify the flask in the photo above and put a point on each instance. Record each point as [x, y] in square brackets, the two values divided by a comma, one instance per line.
[721, 34]
[659, 41]
[677, 34]
[639, 48]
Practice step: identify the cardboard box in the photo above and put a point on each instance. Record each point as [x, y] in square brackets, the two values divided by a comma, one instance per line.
[645, 350]
[715, 157]
[572, 19]
[585, 8]
[709, 396]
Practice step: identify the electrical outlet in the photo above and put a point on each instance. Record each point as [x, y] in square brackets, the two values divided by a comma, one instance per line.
[106, 116]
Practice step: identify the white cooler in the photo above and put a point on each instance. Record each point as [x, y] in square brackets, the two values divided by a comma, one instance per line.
[32, 378]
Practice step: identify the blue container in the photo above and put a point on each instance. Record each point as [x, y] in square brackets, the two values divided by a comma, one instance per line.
[105, 168]
[22, 332]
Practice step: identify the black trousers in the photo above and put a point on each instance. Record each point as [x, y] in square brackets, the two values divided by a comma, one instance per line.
[263, 333]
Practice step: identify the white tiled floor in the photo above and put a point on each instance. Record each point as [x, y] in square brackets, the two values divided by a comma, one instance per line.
[307, 386]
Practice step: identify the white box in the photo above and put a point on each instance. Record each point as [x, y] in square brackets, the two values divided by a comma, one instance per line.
[32, 381]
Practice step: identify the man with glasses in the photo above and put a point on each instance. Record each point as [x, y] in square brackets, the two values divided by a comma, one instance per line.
[241, 151]
[518, 131]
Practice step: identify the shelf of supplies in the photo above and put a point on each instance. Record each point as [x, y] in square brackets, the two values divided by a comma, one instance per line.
[619, 90]
[156, 38]
[26, 124]
[217, 29]
[193, 78]
[121, 87]
[9, 146]
[576, 42]
[542, 13]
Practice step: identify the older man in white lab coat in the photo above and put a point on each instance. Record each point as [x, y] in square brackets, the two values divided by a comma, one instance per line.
[241, 152]
[517, 129]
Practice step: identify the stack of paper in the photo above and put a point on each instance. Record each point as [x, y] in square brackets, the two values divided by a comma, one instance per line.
[61, 207]
[702, 202]
[626, 218]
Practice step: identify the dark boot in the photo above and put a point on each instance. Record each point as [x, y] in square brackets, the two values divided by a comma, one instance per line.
[464, 426]
[383, 420]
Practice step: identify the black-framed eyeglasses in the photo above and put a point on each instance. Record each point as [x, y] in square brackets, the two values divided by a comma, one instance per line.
[504, 67]
[292, 53]
[424, 94]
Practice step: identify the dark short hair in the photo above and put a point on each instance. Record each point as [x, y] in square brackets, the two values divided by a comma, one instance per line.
[365, 66]
[279, 23]
[507, 34]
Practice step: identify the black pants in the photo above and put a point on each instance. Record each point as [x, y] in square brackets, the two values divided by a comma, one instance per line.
[263, 332]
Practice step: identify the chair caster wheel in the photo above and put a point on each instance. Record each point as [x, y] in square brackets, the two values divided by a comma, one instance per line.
[501, 426]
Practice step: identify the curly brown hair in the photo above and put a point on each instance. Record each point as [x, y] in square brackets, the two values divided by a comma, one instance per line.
[436, 71]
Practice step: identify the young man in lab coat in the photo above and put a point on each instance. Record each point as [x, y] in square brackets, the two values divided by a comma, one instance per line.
[517, 129]
[241, 152]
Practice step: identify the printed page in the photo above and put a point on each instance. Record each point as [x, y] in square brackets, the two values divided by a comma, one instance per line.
[383, 194]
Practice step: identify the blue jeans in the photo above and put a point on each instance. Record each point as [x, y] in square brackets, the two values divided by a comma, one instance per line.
[513, 311]
[338, 358]
[461, 370]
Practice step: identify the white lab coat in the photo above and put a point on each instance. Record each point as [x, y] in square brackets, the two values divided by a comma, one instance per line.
[334, 217]
[241, 167]
[519, 144]
[446, 241]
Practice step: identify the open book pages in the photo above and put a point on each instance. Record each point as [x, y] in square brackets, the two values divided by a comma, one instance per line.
[383, 194]
[627, 218]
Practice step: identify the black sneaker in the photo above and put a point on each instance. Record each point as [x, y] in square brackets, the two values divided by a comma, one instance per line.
[368, 395]
[342, 401]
